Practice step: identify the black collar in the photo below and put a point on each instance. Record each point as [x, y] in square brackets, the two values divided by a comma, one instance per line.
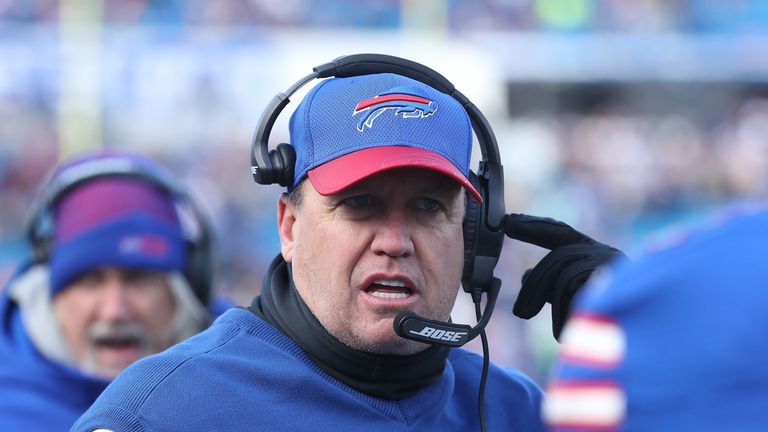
[383, 376]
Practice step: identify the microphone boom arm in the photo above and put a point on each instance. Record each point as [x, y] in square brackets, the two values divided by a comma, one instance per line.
[411, 326]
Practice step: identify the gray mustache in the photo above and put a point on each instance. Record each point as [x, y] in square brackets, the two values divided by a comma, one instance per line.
[119, 332]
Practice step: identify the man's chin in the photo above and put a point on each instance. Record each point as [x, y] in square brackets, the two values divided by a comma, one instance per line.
[102, 371]
[400, 347]
[109, 362]
[389, 343]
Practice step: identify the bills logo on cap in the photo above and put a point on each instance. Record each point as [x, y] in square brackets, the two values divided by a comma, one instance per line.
[410, 102]
[148, 245]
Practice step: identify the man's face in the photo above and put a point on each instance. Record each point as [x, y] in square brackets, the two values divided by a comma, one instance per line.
[392, 242]
[112, 317]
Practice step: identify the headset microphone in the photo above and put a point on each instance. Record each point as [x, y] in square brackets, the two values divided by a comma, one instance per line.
[411, 326]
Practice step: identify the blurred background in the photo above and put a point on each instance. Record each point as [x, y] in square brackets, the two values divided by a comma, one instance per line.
[624, 119]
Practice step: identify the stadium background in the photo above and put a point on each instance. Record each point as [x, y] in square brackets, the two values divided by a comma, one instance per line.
[625, 119]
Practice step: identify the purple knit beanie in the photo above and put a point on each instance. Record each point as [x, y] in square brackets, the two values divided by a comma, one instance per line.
[114, 221]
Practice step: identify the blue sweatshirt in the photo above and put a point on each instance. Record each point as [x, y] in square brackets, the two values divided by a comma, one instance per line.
[37, 394]
[243, 374]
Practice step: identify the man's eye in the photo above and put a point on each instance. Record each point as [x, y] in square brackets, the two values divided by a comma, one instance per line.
[143, 277]
[427, 204]
[89, 279]
[359, 201]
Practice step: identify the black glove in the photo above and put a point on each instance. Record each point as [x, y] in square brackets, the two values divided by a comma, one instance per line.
[559, 275]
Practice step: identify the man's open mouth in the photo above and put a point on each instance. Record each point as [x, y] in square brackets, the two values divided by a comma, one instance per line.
[116, 342]
[389, 289]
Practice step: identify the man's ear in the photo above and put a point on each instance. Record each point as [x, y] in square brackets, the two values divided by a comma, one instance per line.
[286, 217]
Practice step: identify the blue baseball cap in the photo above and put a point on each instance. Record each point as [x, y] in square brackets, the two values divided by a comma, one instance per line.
[347, 129]
[673, 341]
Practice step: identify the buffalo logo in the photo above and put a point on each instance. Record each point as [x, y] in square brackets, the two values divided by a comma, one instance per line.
[407, 101]
[147, 245]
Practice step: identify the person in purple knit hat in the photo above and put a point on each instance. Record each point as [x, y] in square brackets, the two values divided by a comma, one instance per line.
[110, 283]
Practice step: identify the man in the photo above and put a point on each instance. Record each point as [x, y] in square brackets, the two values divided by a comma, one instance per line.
[675, 340]
[107, 287]
[371, 226]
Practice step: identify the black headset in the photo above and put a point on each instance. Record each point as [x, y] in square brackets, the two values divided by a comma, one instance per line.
[483, 235]
[198, 235]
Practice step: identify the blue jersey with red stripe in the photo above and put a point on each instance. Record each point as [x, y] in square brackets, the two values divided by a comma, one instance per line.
[675, 340]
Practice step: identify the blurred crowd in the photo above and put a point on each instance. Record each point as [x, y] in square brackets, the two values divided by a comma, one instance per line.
[458, 15]
[618, 165]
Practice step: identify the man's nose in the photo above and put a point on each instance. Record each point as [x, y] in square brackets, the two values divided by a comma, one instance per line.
[113, 302]
[393, 235]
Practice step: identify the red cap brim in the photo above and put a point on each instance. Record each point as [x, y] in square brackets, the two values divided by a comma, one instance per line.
[344, 171]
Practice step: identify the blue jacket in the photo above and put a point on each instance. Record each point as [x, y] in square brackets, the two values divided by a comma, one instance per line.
[243, 374]
[37, 394]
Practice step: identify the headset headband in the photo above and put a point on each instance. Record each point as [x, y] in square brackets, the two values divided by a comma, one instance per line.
[265, 172]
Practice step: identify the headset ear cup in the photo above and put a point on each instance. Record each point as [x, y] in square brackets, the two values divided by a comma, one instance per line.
[283, 159]
[198, 270]
[41, 250]
[471, 227]
[40, 234]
